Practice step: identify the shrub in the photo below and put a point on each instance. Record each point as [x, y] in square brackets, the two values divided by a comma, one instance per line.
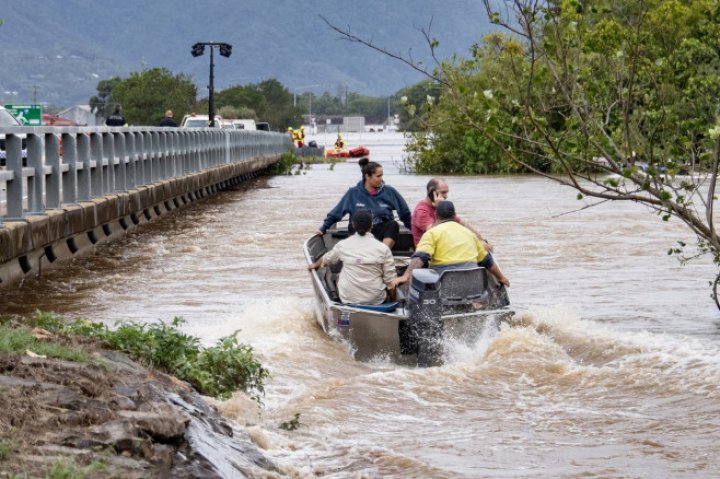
[216, 371]
[285, 164]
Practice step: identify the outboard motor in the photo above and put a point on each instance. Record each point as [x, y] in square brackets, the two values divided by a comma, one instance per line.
[422, 331]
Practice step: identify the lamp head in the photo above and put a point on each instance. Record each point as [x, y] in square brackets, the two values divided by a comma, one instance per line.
[225, 49]
[197, 49]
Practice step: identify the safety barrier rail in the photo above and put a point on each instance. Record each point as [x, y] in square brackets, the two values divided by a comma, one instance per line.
[46, 167]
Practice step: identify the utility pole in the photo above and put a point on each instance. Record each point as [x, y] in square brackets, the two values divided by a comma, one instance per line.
[35, 94]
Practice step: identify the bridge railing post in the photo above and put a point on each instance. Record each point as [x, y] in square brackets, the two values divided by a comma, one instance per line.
[16, 186]
[69, 165]
[36, 178]
[53, 183]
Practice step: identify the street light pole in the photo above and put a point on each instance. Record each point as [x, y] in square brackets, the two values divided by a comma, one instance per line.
[211, 87]
[225, 51]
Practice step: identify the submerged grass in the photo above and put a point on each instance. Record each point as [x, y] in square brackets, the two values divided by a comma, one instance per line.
[217, 371]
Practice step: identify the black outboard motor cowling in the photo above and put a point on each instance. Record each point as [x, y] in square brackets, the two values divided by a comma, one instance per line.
[423, 328]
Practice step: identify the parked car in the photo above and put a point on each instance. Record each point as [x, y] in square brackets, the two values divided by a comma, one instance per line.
[6, 119]
[263, 126]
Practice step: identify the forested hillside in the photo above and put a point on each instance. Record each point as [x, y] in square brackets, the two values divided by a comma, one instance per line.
[57, 50]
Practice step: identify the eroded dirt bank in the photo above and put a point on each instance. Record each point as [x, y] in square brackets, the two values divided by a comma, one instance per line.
[112, 418]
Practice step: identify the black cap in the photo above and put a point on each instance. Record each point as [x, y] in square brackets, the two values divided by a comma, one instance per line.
[362, 219]
[445, 210]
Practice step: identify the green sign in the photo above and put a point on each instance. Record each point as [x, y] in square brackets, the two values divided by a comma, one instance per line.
[28, 115]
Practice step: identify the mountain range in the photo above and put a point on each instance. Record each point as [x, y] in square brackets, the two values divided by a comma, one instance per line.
[56, 51]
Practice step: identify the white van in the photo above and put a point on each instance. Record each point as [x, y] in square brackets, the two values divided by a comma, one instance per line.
[244, 124]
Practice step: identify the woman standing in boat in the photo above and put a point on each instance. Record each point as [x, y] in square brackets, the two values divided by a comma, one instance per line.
[371, 193]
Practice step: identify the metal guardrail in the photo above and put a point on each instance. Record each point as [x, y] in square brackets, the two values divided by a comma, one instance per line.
[97, 161]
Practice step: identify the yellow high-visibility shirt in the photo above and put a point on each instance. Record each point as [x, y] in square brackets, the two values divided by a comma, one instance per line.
[451, 243]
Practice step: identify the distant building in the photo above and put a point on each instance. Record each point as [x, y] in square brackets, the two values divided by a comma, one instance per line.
[54, 120]
[353, 123]
[81, 115]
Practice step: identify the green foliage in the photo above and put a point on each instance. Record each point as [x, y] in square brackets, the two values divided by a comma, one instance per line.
[413, 105]
[285, 164]
[160, 345]
[146, 95]
[69, 469]
[267, 101]
[103, 103]
[20, 340]
[7, 447]
[292, 424]
[232, 112]
[216, 371]
[604, 81]
[220, 370]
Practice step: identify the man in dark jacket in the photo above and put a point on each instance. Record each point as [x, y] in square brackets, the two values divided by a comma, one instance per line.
[116, 119]
[168, 120]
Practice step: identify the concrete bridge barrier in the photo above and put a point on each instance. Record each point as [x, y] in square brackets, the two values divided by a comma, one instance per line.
[107, 182]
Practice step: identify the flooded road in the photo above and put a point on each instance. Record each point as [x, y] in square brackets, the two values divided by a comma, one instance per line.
[614, 371]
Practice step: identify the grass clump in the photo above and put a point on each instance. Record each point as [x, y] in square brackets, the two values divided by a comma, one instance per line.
[7, 447]
[217, 371]
[21, 339]
[69, 469]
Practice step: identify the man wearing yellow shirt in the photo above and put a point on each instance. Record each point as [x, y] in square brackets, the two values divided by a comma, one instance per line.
[450, 245]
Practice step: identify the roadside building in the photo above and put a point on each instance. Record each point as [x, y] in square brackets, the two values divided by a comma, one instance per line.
[81, 115]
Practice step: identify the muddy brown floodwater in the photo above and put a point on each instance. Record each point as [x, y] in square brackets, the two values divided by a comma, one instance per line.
[615, 371]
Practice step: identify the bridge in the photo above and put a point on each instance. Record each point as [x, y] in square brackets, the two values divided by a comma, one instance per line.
[64, 190]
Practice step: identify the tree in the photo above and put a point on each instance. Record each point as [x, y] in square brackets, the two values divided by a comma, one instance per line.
[146, 95]
[269, 100]
[612, 98]
[103, 103]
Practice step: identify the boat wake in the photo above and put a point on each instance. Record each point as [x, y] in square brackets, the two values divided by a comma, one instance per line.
[550, 381]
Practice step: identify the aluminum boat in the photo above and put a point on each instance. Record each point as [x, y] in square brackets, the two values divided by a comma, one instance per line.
[457, 305]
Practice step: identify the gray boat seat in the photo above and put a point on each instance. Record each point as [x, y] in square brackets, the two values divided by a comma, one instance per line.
[316, 247]
[463, 286]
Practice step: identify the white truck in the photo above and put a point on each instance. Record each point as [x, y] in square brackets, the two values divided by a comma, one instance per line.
[244, 124]
[199, 121]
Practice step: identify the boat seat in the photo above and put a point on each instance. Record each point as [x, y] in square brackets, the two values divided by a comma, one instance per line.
[340, 234]
[331, 284]
[382, 308]
[463, 286]
[316, 247]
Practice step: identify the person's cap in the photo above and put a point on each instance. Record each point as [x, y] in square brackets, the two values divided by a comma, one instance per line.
[362, 219]
[445, 210]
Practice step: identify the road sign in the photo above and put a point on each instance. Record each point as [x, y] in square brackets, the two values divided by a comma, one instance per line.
[28, 115]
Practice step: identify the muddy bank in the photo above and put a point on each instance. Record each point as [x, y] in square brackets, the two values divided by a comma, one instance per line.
[113, 418]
